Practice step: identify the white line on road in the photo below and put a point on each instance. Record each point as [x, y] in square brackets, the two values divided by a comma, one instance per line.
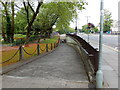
[115, 49]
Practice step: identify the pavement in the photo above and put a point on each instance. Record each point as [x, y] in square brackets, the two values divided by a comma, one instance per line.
[62, 68]
[109, 64]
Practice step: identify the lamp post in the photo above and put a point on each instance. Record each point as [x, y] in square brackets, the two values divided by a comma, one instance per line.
[88, 29]
[76, 22]
[99, 75]
[76, 26]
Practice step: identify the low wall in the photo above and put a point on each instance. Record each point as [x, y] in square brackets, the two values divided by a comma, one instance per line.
[88, 54]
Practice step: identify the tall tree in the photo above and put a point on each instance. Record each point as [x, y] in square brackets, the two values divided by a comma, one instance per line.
[20, 21]
[12, 22]
[57, 13]
[8, 22]
[107, 20]
[3, 29]
[30, 22]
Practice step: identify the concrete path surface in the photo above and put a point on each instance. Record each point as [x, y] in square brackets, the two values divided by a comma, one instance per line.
[62, 68]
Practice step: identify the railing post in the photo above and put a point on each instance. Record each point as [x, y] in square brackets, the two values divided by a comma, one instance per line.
[54, 45]
[57, 44]
[51, 46]
[21, 53]
[46, 47]
[38, 49]
[59, 40]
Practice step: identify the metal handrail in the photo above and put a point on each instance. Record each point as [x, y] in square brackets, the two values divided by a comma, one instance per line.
[88, 49]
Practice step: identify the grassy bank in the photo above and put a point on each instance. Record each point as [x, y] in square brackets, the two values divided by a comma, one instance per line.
[50, 40]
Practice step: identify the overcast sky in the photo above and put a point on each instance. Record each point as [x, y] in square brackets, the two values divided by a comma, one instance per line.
[93, 10]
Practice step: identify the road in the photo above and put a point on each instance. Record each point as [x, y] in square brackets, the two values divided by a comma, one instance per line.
[110, 56]
[109, 40]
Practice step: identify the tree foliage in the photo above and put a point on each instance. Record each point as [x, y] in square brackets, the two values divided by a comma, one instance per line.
[107, 20]
[5, 13]
[86, 30]
[39, 20]
[57, 13]
[21, 21]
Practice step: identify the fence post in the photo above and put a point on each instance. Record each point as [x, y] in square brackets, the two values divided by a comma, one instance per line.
[46, 47]
[38, 49]
[54, 45]
[51, 46]
[57, 43]
[21, 53]
[59, 40]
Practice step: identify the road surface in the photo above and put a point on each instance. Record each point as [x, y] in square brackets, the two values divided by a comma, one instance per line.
[109, 40]
[110, 56]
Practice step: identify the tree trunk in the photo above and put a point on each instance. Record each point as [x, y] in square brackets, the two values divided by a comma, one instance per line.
[8, 25]
[12, 24]
[33, 17]
[8, 28]
[28, 21]
[3, 32]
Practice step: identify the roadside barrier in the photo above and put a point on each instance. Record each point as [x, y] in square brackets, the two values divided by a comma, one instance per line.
[88, 54]
[26, 51]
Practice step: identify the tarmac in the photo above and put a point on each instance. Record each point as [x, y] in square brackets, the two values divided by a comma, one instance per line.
[63, 68]
[109, 65]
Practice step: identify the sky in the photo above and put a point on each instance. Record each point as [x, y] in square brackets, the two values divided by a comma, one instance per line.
[93, 11]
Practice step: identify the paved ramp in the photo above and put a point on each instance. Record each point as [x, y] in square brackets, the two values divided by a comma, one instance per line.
[62, 68]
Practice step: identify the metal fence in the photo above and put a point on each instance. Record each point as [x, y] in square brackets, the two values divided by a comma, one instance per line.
[87, 53]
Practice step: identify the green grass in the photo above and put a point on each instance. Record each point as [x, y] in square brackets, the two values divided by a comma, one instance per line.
[15, 35]
[0, 37]
[19, 35]
[51, 40]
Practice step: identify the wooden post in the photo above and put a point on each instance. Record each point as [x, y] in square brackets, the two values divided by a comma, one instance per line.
[51, 46]
[46, 47]
[54, 45]
[38, 49]
[21, 53]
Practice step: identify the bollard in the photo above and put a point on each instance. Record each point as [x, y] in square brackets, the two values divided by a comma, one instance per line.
[21, 53]
[54, 45]
[38, 49]
[46, 47]
[51, 46]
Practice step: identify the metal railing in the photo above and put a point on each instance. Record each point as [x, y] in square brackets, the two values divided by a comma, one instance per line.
[88, 53]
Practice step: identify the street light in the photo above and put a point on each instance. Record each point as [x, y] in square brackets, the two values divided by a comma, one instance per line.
[76, 22]
[76, 26]
[87, 28]
[99, 75]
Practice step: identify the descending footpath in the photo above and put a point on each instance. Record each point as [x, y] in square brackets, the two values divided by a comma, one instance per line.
[62, 68]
